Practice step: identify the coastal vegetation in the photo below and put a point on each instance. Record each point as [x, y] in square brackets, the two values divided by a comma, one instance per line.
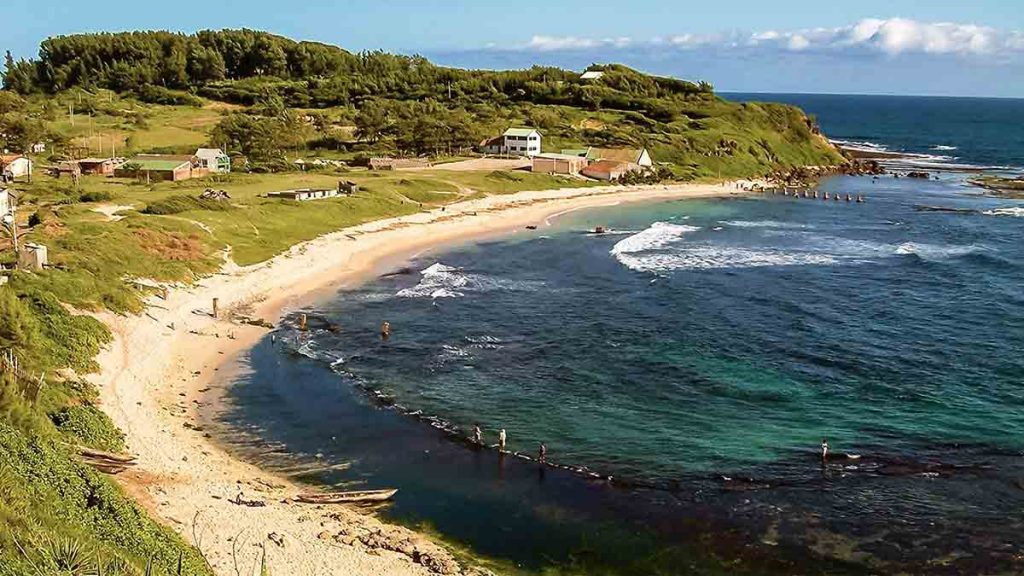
[269, 101]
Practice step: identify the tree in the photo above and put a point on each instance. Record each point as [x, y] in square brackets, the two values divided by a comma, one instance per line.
[19, 76]
[371, 121]
[18, 132]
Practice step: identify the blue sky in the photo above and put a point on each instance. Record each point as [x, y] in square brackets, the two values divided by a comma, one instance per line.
[868, 46]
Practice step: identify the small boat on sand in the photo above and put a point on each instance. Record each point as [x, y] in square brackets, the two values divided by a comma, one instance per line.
[348, 497]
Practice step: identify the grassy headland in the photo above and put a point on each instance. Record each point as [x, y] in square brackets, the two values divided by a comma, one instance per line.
[269, 100]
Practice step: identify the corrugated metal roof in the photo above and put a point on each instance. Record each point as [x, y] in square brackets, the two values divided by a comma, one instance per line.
[520, 131]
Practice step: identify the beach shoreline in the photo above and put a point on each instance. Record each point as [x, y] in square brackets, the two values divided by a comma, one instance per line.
[154, 376]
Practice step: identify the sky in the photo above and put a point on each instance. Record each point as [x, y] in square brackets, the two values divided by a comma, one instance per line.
[938, 47]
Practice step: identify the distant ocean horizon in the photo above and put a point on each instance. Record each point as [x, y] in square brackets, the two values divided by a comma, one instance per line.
[687, 365]
[945, 131]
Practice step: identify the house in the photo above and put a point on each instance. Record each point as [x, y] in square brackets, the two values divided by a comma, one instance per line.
[15, 166]
[558, 164]
[32, 257]
[159, 167]
[304, 194]
[609, 169]
[214, 160]
[100, 166]
[639, 156]
[515, 142]
[591, 75]
[385, 163]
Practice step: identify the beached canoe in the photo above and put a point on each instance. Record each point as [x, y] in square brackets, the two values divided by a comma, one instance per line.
[348, 497]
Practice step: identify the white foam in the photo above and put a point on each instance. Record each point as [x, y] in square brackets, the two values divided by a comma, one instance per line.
[935, 252]
[1017, 211]
[943, 147]
[442, 281]
[658, 235]
[662, 248]
[438, 281]
[715, 257]
[766, 224]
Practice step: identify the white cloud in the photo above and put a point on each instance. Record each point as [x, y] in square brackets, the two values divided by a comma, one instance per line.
[553, 43]
[893, 36]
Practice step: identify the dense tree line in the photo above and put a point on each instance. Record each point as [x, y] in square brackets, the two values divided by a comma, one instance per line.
[241, 65]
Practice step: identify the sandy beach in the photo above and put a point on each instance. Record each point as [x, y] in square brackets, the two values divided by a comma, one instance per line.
[154, 374]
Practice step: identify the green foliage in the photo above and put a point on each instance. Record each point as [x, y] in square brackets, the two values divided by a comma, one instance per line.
[179, 204]
[160, 95]
[96, 196]
[67, 517]
[88, 426]
[261, 139]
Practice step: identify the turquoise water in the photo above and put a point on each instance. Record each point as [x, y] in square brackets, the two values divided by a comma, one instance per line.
[701, 337]
[682, 370]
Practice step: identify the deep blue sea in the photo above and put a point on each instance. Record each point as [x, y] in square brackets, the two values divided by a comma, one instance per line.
[683, 368]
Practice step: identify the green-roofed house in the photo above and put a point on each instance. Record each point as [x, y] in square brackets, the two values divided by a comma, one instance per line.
[158, 167]
[514, 142]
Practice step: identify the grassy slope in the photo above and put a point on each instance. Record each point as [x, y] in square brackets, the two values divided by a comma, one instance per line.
[47, 498]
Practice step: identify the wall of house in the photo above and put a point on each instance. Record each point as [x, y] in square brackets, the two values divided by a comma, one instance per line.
[20, 167]
[523, 145]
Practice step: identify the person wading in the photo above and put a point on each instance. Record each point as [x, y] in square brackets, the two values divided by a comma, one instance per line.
[501, 439]
[824, 450]
[542, 454]
[385, 330]
[478, 437]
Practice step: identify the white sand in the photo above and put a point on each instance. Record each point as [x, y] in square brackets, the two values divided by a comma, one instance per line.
[152, 375]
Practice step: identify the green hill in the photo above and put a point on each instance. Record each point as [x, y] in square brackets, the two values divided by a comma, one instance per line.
[385, 102]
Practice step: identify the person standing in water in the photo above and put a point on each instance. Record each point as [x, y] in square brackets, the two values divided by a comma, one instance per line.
[542, 454]
[501, 439]
[824, 450]
[477, 435]
[385, 330]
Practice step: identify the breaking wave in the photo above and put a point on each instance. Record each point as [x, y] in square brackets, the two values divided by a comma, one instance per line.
[766, 224]
[932, 252]
[662, 248]
[443, 281]
[943, 148]
[1017, 211]
[658, 235]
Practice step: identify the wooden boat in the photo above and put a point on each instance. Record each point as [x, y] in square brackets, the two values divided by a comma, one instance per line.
[348, 497]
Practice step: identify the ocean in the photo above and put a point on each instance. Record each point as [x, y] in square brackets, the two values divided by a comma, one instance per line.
[683, 369]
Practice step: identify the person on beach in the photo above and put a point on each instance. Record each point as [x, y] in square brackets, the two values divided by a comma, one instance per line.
[478, 437]
[542, 454]
[501, 439]
[824, 450]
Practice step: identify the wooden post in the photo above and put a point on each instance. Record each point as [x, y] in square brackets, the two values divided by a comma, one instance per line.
[216, 308]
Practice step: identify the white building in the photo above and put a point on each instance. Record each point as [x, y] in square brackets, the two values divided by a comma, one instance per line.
[15, 165]
[5, 202]
[214, 160]
[591, 75]
[515, 142]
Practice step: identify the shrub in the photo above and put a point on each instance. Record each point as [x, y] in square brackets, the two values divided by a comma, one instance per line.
[95, 196]
[180, 203]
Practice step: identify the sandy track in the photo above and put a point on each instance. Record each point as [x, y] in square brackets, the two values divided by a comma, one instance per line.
[153, 374]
